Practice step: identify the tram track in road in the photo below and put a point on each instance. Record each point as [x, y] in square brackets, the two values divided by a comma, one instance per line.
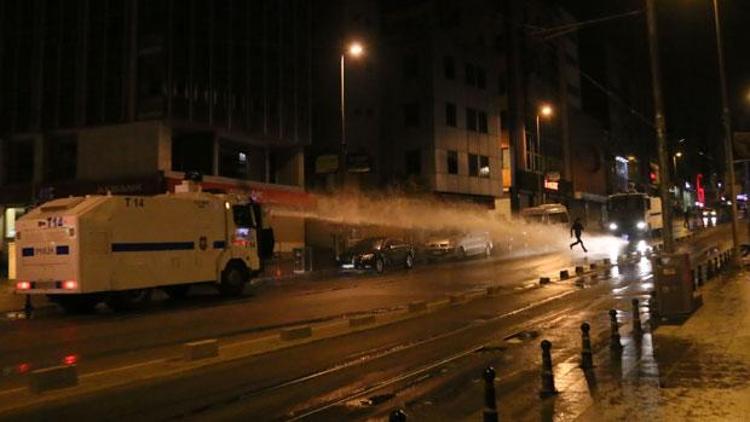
[423, 369]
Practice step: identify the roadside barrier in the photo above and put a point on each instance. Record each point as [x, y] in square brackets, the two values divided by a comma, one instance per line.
[564, 275]
[614, 336]
[587, 359]
[53, 378]
[544, 280]
[295, 333]
[548, 377]
[637, 329]
[490, 401]
[203, 349]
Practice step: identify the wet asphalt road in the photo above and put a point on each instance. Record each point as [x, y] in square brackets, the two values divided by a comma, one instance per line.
[408, 362]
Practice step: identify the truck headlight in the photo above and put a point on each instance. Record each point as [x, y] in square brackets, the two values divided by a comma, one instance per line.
[613, 226]
[641, 225]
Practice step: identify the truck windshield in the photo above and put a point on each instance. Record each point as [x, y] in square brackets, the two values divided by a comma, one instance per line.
[243, 216]
[627, 203]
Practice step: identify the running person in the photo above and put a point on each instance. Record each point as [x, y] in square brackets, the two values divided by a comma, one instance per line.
[577, 228]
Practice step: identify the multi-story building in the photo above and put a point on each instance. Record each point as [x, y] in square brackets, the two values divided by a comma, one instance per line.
[424, 103]
[126, 95]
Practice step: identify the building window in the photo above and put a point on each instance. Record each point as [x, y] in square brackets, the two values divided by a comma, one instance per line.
[61, 157]
[193, 151]
[504, 120]
[481, 78]
[19, 160]
[411, 114]
[413, 162]
[482, 122]
[411, 66]
[484, 166]
[233, 160]
[450, 114]
[473, 165]
[470, 75]
[452, 162]
[471, 119]
[449, 67]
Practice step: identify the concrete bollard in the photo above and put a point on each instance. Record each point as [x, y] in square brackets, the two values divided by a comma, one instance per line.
[203, 349]
[490, 401]
[587, 359]
[548, 377]
[564, 275]
[417, 306]
[579, 270]
[295, 333]
[544, 280]
[637, 329]
[53, 378]
[361, 320]
[614, 327]
[397, 415]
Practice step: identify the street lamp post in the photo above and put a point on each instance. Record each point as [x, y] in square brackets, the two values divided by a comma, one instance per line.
[666, 203]
[727, 122]
[355, 49]
[545, 110]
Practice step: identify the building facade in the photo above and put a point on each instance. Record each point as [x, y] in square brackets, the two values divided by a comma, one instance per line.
[126, 95]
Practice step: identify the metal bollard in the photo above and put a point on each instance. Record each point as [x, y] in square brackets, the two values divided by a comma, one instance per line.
[397, 415]
[548, 378]
[587, 360]
[637, 329]
[700, 275]
[28, 308]
[614, 336]
[490, 403]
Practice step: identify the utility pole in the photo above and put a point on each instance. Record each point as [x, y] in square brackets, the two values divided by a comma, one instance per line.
[726, 119]
[661, 138]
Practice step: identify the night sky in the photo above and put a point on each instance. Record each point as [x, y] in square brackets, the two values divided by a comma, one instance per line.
[689, 65]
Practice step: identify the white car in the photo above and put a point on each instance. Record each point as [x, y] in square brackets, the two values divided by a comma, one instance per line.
[459, 245]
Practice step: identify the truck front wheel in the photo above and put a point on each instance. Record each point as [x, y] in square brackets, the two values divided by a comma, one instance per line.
[233, 280]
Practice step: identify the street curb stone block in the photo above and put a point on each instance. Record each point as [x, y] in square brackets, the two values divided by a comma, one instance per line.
[362, 320]
[564, 275]
[203, 349]
[544, 280]
[53, 378]
[456, 299]
[296, 333]
[417, 306]
[493, 290]
[579, 270]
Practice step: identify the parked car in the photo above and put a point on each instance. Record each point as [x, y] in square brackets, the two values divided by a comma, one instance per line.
[377, 253]
[457, 244]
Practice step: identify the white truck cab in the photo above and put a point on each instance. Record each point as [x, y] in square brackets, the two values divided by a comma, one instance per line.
[83, 250]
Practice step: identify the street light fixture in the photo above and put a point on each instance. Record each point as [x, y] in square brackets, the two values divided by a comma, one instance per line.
[356, 50]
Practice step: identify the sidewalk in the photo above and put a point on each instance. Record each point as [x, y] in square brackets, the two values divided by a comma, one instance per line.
[699, 370]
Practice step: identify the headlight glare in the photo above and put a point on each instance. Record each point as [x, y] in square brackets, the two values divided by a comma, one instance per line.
[613, 226]
[641, 225]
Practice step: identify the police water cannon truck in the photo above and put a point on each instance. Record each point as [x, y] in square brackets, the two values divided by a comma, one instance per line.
[81, 251]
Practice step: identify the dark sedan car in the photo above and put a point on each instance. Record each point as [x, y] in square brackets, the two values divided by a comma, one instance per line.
[377, 253]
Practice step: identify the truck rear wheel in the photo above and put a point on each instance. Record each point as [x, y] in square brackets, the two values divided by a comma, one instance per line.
[76, 304]
[233, 280]
[128, 300]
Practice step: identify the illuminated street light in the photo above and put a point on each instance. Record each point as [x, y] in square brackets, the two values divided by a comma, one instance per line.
[545, 110]
[356, 49]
